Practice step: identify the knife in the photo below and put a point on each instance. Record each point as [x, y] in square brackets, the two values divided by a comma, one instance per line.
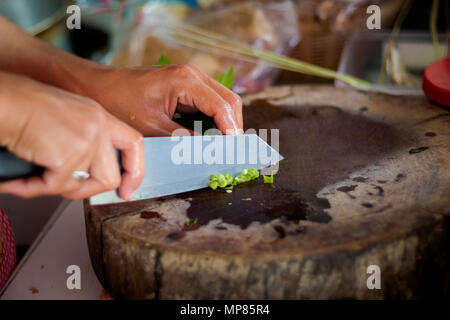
[12, 167]
[175, 164]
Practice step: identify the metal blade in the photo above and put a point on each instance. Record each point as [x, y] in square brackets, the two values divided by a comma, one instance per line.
[180, 164]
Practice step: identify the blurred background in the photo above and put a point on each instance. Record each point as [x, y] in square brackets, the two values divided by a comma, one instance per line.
[256, 38]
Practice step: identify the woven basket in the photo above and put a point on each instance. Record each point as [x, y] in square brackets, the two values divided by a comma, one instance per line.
[325, 26]
[7, 249]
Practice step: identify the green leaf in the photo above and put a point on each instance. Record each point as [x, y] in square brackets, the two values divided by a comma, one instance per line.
[226, 78]
[268, 179]
[227, 182]
[213, 185]
[191, 222]
[163, 61]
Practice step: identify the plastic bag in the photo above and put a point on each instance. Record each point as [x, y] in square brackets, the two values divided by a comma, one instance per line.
[270, 26]
[325, 26]
[344, 16]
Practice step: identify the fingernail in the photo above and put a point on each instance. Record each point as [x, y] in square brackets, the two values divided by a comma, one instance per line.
[126, 195]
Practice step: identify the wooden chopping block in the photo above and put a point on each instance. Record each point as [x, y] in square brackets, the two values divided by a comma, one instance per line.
[366, 181]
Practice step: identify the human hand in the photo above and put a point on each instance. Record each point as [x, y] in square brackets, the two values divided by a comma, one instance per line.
[64, 132]
[147, 98]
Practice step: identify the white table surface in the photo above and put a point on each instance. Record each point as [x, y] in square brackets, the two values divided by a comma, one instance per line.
[62, 243]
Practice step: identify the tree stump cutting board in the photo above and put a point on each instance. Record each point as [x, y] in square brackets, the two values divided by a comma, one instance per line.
[365, 182]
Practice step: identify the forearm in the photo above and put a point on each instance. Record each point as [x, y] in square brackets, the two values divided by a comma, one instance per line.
[13, 114]
[23, 54]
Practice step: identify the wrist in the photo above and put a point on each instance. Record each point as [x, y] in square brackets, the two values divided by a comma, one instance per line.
[78, 76]
[99, 82]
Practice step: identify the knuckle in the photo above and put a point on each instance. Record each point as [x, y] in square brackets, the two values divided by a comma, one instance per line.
[54, 185]
[236, 101]
[182, 70]
[135, 136]
[191, 67]
[91, 102]
[98, 116]
[111, 182]
[94, 124]
[80, 149]
[114, 184]
[60, 162]
[138, 139]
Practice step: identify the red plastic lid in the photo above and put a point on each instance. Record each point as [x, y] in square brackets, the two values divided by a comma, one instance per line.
[436, 81]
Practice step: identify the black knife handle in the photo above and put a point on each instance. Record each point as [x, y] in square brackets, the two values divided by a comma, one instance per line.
[13, 167]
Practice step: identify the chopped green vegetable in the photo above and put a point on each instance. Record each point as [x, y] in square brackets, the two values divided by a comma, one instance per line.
[176, 115]
[213, 185]
[268, 179]
[163, 61]
[227, 182]
[226, 78]
[191, 222]
[246, 199]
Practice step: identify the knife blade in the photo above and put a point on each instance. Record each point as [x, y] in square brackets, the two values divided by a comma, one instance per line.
[179, 164]
[173, 164]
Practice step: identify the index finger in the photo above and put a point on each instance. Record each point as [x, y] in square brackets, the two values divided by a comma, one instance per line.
[212, 104]
[233, 99]
[131, 144]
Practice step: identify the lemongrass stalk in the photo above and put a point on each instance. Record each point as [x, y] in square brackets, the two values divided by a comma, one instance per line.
[433, 28]
[395, 30]
[201, 37]
[282, 61]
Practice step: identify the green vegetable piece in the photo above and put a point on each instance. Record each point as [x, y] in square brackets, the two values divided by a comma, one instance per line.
[223, 183]
[213, 185]
[191, 222]
[227, 182]
[236, 181]
[246, 199]
[268, 179]
[253, 173]
[163, 61]
[226, 78]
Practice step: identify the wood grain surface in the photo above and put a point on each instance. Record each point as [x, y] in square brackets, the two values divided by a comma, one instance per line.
[365, 181]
